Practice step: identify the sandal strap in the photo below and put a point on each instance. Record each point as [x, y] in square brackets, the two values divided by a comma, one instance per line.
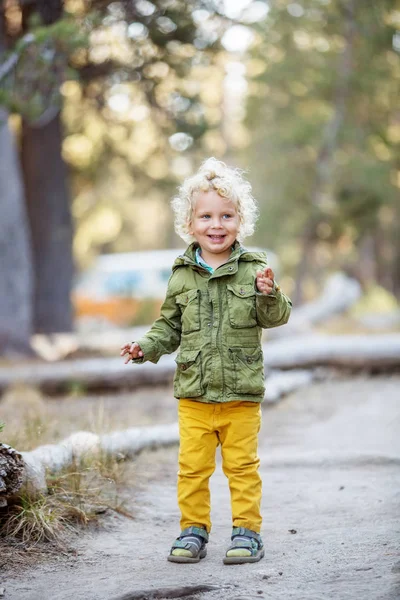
[182, 544]
[195, 531]
[240, 542]
[193, 539]
[246, 539]
[247, 533]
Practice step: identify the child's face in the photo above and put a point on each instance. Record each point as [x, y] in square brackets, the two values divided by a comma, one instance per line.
[214, 224]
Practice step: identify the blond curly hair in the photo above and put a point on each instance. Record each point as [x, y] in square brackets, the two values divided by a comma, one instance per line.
[228, 183]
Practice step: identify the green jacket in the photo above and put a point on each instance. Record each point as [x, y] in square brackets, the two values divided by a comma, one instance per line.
[216, 319]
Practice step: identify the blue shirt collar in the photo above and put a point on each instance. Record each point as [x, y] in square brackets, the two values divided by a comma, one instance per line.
[202, 262]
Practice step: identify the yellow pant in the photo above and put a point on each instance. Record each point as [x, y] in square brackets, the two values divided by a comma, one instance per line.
[202, 427]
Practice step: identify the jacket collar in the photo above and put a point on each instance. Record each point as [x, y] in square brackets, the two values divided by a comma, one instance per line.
[229, 268]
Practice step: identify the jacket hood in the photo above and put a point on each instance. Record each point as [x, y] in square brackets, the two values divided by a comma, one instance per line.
[239, 253]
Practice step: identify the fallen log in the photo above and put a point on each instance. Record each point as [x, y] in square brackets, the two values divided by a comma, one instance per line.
[379, 321]
[90, 373]
[11, 472]
[371, 352]
[281, 383]
[339, 294]
[27, 470]
[29, 473]
[352, 351]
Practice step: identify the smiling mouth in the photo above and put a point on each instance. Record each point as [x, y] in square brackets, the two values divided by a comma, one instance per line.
[217, 238]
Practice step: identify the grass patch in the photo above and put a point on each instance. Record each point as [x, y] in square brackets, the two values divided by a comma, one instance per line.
[24, 410]
[89, 491]
[76, 498]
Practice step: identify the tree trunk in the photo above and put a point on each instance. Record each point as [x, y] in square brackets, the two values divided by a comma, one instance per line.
[47, 197]
[366, 268]
[45, 178]
[395, 259]
[15, 252]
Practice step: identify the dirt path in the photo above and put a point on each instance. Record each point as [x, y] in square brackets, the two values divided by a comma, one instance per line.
[331, 472]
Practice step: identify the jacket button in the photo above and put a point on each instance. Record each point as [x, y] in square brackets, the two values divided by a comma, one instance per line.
[183, 367]
[249, 360]
[230, 269]
[241, 291]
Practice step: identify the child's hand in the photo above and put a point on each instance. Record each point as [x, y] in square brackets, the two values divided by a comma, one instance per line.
[133, 350]
[265, 281]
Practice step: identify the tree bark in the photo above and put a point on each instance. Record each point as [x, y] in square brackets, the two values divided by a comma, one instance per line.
[48, 204]
[15, 252]
[12, 472]
[395, 262]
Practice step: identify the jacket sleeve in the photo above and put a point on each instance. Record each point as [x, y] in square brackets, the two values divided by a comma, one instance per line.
[164, 336]
[273, 309]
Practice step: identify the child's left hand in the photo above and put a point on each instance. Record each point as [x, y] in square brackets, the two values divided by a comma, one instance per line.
[265, 281]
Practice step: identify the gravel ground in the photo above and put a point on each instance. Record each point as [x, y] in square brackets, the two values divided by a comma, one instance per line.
[331, 471]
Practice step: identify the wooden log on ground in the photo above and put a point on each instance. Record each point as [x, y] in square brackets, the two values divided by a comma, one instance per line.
[352, 351]
[27, 470]
[33, 465]
[339, 294]
[11, 472]
[280, 383]
[90, 373]
[371, 352]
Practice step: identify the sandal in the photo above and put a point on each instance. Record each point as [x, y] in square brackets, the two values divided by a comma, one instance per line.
[190, 546]
[246, 547]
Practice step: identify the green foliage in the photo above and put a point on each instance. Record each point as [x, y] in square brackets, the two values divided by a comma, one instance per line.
[145, 78]
[318, 67]
[154, 57]
[32, 86]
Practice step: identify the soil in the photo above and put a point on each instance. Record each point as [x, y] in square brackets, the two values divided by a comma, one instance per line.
[330, 458]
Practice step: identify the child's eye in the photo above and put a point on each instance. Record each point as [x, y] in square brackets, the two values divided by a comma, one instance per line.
[205, 216]
[227, 216]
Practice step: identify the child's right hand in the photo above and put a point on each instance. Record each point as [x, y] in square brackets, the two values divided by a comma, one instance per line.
[133, 350]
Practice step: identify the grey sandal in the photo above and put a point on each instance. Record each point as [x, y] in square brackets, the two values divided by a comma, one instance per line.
[246, 547]
[190, 546]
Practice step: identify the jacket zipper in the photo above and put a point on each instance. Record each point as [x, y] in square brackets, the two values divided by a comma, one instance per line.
[220, 346]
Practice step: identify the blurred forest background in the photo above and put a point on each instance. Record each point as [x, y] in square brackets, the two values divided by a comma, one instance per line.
[106, 106]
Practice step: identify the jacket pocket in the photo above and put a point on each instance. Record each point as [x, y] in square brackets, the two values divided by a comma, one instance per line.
[248, 370]
[188, 380]
[242, 305]
[190, 306]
